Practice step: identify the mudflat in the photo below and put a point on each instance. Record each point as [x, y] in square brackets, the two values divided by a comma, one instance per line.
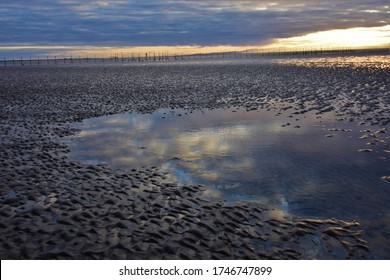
[54, 207]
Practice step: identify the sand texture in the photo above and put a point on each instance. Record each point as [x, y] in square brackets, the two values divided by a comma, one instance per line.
[55, 208]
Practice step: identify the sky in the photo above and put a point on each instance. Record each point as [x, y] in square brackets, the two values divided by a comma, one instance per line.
[60, 26]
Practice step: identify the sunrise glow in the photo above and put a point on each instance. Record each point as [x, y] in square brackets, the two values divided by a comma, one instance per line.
[353, 37]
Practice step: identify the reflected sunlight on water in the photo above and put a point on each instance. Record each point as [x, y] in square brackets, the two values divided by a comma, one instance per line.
[377, 61]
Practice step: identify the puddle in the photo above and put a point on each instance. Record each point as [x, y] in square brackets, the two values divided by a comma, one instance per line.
[306, 165]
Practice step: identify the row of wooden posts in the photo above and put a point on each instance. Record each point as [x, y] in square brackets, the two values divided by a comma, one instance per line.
[152, 56]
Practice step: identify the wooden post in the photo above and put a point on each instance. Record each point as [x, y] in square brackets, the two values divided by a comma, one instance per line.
[5, 62]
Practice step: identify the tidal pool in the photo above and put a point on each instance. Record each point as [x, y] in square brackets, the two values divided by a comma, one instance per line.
[307, 165]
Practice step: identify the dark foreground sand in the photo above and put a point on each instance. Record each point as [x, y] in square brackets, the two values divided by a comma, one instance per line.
[53, 208]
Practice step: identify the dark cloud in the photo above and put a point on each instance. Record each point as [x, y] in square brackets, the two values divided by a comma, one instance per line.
[178, 22]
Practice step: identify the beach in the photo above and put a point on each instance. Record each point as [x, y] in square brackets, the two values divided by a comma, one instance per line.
[53, 207]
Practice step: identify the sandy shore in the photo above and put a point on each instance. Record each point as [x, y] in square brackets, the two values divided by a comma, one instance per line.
[53, 208]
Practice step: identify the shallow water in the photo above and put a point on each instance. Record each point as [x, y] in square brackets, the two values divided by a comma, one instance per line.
[370, 61]
[308, 165]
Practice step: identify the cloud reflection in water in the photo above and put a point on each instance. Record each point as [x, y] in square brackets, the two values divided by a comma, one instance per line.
[241, 156]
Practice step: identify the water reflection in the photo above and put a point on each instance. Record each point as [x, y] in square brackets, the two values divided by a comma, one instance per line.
[377, 61]
[246, 156]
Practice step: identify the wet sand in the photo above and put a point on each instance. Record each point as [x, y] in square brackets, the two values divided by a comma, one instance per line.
[55, 208]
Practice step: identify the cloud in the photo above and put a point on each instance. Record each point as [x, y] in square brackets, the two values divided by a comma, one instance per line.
[178, 22]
